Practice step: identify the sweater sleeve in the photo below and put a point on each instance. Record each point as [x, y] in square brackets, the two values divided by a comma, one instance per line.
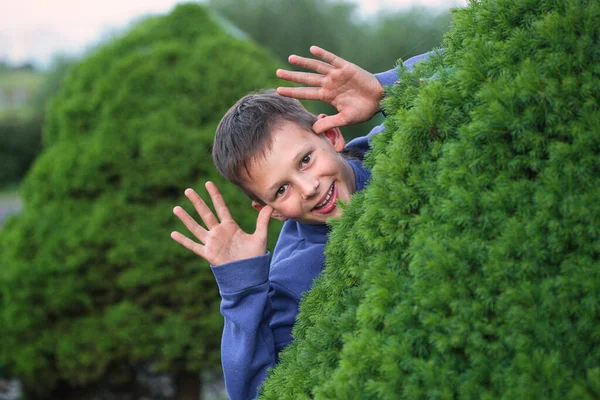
[259, 316]
[247, 346]
[389, 77]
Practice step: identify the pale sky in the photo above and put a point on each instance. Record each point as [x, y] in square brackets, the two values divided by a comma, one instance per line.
[37, 29]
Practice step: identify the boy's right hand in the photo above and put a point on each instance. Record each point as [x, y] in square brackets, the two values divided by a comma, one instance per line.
[221, 241]
[354, 92]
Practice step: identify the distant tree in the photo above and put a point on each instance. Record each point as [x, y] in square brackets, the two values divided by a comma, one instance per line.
[20, 133]
[26, 66]
[53, 79]
[20, 144]
[90, 281]
[470, 266]
[290, 26]
[388, 36]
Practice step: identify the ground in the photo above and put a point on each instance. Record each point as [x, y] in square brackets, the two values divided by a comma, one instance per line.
[10, 203]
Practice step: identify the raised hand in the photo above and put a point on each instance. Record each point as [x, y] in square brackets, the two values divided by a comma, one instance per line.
[354, 92]
[222, 241]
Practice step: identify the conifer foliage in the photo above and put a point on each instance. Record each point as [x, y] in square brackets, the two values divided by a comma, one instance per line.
[470, 266]
[90, 281]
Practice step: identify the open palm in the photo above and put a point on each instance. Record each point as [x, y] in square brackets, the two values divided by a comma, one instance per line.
[222, 240]
[354, 92]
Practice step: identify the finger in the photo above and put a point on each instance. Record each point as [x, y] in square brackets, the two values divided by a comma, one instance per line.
[218, 201]
[262, 221]
[305, 93]
[189, 244]
[204, 212]
[304, 78]
[195, 229]
[328, 56]
[310, 63]
[327, 123]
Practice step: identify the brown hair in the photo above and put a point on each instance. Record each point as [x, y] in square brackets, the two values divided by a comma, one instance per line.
[245, 130]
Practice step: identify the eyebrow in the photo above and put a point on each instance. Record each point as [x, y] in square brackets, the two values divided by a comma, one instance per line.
[300, 154]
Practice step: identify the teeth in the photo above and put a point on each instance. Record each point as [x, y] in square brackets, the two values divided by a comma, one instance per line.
[321, 204]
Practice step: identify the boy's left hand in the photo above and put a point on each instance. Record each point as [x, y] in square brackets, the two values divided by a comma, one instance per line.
[354, 92]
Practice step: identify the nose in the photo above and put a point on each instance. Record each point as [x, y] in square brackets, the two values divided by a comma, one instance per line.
[308, 186]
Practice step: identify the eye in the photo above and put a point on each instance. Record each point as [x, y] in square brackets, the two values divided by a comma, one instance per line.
[306, 159]
[281, 190]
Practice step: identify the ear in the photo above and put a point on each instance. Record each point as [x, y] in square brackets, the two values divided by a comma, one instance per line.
[276, 214]
[334, 135]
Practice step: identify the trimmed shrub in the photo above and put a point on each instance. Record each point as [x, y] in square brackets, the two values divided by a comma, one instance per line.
[470, 266]
[90, 281]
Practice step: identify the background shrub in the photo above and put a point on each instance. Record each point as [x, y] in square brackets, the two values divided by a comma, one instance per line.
[90, 282]
[469, 267]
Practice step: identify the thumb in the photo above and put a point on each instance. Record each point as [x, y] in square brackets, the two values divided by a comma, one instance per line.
[262, 221]
[327, 123]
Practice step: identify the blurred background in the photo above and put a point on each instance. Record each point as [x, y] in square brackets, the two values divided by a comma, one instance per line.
[42, 42]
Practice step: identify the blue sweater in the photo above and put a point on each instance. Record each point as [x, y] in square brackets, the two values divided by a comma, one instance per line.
[260, 297]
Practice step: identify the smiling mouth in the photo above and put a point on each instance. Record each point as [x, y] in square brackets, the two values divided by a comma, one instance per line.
[328, 203]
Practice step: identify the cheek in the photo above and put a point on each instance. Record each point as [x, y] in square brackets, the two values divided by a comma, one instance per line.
[333, 167]
[291, 210]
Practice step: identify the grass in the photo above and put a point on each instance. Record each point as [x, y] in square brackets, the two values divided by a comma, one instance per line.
[10, 192]
[10, 202]
[22, 113]
[21, 79]
[30, 81]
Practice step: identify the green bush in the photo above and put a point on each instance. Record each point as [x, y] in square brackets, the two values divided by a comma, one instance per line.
[470, 266]
[89, 278]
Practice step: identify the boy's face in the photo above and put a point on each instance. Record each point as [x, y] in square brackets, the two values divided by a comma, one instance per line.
[302, 175]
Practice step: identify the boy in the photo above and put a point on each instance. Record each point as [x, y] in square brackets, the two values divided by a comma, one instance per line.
[289, 163]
